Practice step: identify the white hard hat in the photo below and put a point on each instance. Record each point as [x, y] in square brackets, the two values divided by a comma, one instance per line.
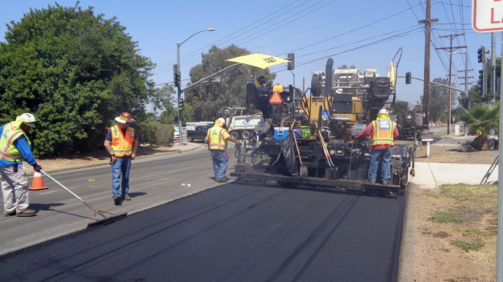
[27, 119]
[383, 111]
[338, 91]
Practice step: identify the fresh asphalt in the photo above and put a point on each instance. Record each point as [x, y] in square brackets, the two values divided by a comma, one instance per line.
[232, 232]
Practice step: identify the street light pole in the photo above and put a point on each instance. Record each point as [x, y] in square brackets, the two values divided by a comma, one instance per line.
[180, 138]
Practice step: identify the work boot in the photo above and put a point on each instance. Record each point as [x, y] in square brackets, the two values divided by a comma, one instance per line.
[385, 183]
[10, 214]
[126, 198]
[222, 180]
[117, 200]
[26, 213]
[369, 182]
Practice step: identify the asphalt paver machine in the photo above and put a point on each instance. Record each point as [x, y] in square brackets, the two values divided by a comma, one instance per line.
[309, 141]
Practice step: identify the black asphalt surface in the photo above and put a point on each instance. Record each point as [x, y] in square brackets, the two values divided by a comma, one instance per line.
[232, 232]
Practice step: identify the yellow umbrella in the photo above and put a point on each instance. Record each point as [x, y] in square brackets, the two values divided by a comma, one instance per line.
[392, 74]
[258, 60]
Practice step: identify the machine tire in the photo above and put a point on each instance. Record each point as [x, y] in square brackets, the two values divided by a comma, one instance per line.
[235, 134]
[227, 112]
[245, 135]
[315, 85]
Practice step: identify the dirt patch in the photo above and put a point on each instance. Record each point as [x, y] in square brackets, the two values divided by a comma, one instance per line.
[449, 154]
[96, 157]
[454, 250]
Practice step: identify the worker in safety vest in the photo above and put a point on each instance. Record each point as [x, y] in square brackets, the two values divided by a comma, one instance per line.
[217, 142]
[14, 148]
[384, 133]
[121, 143]
[261, 89]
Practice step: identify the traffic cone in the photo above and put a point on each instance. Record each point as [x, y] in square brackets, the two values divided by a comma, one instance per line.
[38, 182]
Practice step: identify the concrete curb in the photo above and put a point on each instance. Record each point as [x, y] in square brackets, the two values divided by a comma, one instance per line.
[406, 262]
[106, 164]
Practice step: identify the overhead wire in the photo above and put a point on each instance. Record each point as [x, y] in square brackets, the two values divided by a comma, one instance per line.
[250, 25]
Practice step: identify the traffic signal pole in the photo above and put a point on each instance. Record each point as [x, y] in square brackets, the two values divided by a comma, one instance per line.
[180, 135]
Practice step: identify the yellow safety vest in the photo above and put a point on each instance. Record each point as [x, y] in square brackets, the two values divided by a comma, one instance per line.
[9, 152]
[122, 145]
[257, 85]
[383, 132]
[217, 142]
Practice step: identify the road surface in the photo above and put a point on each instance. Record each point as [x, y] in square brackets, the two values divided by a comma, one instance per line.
[232, 232]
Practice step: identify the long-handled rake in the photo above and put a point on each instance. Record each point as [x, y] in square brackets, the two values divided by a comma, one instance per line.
[105, 221]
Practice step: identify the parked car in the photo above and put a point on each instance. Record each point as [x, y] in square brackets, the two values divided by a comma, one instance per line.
[199, 133]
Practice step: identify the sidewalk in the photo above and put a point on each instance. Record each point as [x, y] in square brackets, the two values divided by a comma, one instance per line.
[432, 175]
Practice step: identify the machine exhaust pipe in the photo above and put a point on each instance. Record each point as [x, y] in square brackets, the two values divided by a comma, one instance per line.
[328, 77]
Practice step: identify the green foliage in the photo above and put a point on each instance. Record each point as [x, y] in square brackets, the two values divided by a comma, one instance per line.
[482, 118]
[168, 116]
[400, 108]
[75, 71]
[209, 99]
[474, 246]
[346, 67]
[444, 218]
[150, 117]
[155, 134]
[439, 100]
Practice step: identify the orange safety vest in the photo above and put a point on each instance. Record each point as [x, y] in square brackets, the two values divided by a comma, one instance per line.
[216, 140]
[122, 145]
[383, 132]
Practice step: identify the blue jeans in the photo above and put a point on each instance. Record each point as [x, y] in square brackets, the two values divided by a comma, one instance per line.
[375, 157]
[121, 166]
[219, 163]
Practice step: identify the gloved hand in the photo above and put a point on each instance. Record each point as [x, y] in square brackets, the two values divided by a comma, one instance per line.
[37, 167]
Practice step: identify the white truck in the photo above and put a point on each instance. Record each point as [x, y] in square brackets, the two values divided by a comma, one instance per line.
[241, 127]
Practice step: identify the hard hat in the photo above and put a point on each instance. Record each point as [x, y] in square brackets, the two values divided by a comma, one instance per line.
[338, 91]
[125, 117]
[384, 111]
[220, 122]
[27, 119]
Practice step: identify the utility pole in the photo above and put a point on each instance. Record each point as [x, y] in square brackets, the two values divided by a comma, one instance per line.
[466, 87]
[427, 43]
[451, 48]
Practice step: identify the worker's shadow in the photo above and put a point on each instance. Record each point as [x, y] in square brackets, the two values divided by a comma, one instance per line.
[49, 207]
[136, 194]
[44, 207]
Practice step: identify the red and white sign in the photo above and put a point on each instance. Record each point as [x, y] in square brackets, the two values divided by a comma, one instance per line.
[487, 15]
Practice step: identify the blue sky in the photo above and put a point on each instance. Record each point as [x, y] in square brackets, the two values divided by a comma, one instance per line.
[312, 29]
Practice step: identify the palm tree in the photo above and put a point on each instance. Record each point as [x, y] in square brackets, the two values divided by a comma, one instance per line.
[482, 118]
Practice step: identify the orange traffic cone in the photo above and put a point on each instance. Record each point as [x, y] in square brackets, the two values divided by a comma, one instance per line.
[38, 182]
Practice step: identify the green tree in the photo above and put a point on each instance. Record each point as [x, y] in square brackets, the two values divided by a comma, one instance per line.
[75, 71]
[482, 118]
[346, 67]
[209, 99]
[439, 97]
[400, 108]
[169, 114]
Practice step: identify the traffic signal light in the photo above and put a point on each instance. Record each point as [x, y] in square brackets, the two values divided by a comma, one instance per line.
[291, 64]
[481, 82]
[468, 103]
[180, 104]
[176, 76]
[481, 55]
[408, 77]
